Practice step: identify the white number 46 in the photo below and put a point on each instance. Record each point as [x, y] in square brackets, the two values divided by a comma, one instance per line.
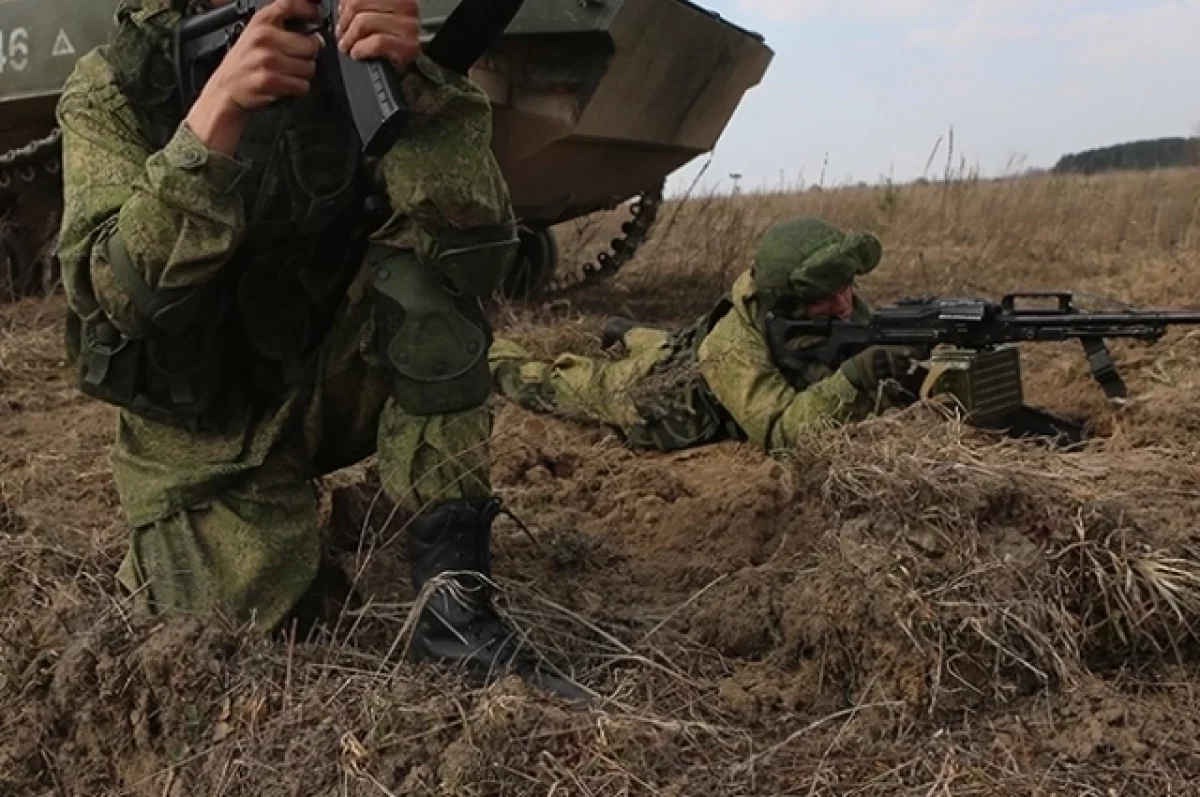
[16, 54]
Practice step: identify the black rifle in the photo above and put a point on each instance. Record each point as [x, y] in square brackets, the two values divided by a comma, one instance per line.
[370, 89]
[983, 330]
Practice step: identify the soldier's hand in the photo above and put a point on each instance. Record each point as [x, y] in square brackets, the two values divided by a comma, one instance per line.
[267, 63]
[389, 29]
[872, 367]
[270, 62]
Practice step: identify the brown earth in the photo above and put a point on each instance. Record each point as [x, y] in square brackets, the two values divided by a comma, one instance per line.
[909, 606]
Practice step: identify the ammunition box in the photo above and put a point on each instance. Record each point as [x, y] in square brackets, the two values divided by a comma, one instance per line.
[985, 384]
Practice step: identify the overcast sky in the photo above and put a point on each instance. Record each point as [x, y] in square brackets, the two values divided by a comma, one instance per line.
[874, 83]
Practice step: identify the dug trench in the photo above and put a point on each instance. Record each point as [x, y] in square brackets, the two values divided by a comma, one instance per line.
[908, 606]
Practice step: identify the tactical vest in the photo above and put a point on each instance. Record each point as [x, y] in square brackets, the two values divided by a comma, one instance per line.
[687, 414]
[254, 332]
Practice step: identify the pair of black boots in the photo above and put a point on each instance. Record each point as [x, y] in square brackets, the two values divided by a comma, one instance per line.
[449, 553]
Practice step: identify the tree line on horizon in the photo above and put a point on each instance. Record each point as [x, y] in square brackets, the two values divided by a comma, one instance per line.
[1146, 154]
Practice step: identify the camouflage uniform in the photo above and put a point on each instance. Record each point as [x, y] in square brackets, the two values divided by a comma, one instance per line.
[716, 379]
[258, 333]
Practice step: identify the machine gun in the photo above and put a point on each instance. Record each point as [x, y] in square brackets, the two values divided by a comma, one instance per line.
[969, 347]
[370, 89]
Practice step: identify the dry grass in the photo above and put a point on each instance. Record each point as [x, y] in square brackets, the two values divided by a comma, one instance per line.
[966, 234]
[906, 607]
[1067, 562]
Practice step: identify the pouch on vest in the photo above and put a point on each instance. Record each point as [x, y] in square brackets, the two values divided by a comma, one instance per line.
[173, 373]
[435, 342]
[173, 381]
[678, 411]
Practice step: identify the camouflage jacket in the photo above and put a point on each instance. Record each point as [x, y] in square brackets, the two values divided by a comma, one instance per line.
[206, 257]
[774, 410]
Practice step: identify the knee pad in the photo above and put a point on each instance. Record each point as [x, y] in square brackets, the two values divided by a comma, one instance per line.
[432, 333]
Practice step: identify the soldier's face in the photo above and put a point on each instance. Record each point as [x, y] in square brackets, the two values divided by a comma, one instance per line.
[838, 305]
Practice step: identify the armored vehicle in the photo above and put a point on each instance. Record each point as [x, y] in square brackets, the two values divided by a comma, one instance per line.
[596, 102]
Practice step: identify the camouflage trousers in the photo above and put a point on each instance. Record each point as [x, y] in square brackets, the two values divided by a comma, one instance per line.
[654, 396]
[228, 521]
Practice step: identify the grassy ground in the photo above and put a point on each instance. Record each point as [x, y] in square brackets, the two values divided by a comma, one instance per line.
[906, 607]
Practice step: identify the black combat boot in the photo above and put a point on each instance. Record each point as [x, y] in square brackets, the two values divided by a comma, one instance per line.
[459, 625]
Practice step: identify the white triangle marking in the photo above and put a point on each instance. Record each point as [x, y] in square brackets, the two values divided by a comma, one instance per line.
[62, 45]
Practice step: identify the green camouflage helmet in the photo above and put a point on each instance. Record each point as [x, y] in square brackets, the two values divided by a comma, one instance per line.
[803, 260]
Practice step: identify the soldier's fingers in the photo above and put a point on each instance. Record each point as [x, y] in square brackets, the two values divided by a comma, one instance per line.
[881, 364]
[291, 44]
[264, 86]
[295, 67]
[371, 23]
[289, 86]
[400, 51]
[280, 12]
[399, 8]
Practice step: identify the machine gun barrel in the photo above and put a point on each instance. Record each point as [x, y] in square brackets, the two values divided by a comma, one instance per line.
[1090, 321]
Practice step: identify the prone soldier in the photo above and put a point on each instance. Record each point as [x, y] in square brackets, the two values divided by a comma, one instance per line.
[792, 348]
[718, 379]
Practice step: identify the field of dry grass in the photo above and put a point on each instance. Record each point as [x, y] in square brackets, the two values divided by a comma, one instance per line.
[906, 607]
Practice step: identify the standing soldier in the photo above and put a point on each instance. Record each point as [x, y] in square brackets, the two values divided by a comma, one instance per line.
[231, 295]
[720, 378]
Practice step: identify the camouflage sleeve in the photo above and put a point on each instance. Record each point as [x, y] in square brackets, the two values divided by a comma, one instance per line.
[137, 222]
[442, 177]
[738, 369]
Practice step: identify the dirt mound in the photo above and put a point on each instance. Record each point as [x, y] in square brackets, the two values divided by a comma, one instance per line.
[182, 709]
[116, 706]
[958, 573]
[678, 521]
[178, 709]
